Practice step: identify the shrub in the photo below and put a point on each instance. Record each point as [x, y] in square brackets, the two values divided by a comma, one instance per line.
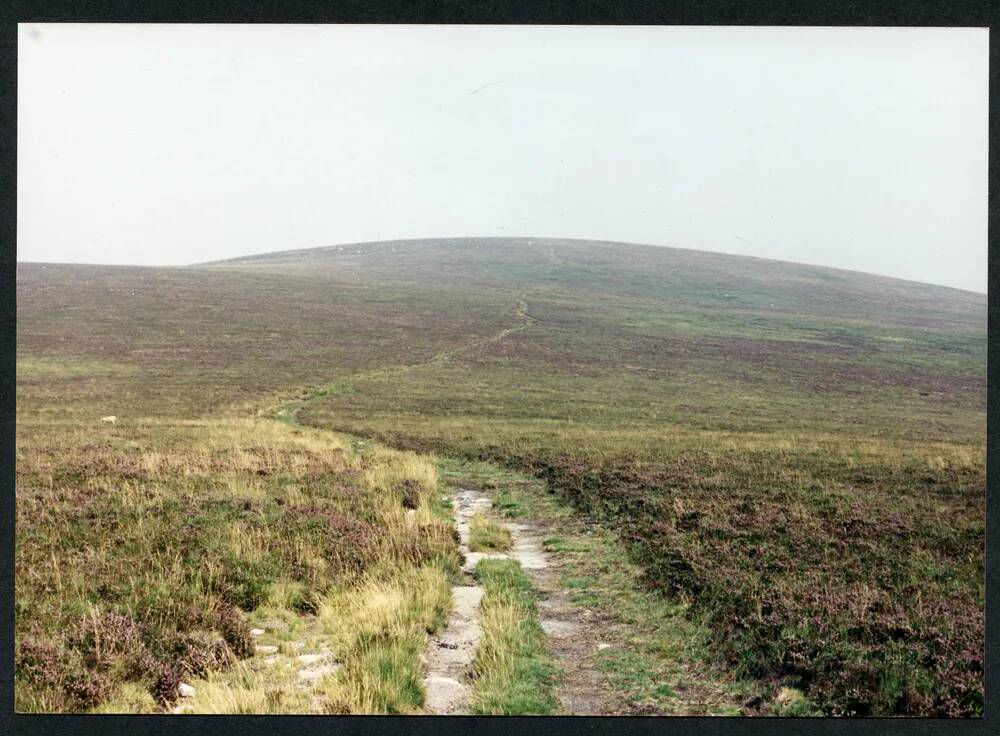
[234, 630]
[165, 686]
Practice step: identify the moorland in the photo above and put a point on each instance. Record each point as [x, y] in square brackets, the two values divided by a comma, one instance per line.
[789, 460]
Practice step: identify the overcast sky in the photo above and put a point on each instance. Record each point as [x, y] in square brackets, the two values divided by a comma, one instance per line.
[172, 144]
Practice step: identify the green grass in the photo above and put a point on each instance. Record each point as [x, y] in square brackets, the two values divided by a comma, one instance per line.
[513, 675]
[486, 535]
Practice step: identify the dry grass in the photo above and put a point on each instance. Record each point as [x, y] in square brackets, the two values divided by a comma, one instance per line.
[380, 630]
[406, 475]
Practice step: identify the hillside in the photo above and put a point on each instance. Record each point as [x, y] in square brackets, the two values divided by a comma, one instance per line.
[797, 454]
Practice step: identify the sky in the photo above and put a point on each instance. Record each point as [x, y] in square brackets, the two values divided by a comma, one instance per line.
[856, 148]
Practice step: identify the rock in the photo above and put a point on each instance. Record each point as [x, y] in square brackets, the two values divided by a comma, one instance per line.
[316, 673]
[256, 632]
[602, 646]
[267, 649]
[185, 690]
[559, 629]
[311, 658]
[274, 625]
[445, 695]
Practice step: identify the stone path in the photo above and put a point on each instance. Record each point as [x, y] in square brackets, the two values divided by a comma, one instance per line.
[450, 653]
[299, 664]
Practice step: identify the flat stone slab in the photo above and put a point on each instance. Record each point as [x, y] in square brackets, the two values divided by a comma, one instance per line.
[311, 658]
[445, 695]
[318, 672]
[530, 555]
[450, 652]
[465, 600]
[559, 629]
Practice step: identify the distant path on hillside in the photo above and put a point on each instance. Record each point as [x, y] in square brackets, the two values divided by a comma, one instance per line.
[288, 411]
[588, 643]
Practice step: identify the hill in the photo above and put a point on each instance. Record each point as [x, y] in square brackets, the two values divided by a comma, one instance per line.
[797, 452]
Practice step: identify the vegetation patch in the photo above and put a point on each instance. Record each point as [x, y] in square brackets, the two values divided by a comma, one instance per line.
[512, 673]
[150, 545]
[486, 535]
[379, 630]
[794, 456]
[657, 658]
[814, 584]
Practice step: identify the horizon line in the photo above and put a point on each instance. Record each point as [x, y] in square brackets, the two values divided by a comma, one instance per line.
[290, 251]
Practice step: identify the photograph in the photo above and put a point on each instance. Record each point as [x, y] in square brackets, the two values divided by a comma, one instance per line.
[500, 370]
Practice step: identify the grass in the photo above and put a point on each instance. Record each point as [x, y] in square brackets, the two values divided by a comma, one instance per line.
[486, 535]
[241, 691]
[380, 631]
[512, 673]
[143, 547]
[795, 454]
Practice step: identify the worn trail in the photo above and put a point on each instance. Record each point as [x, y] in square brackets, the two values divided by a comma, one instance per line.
[570, 635]
[450, 653]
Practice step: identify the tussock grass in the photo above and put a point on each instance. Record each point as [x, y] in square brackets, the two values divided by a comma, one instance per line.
[130, 697]
[380, 630]
[289, 594]
[244, 691]
[513, 674]
[487, 535]
[410, 478]
[381, 675]
[390, 603]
